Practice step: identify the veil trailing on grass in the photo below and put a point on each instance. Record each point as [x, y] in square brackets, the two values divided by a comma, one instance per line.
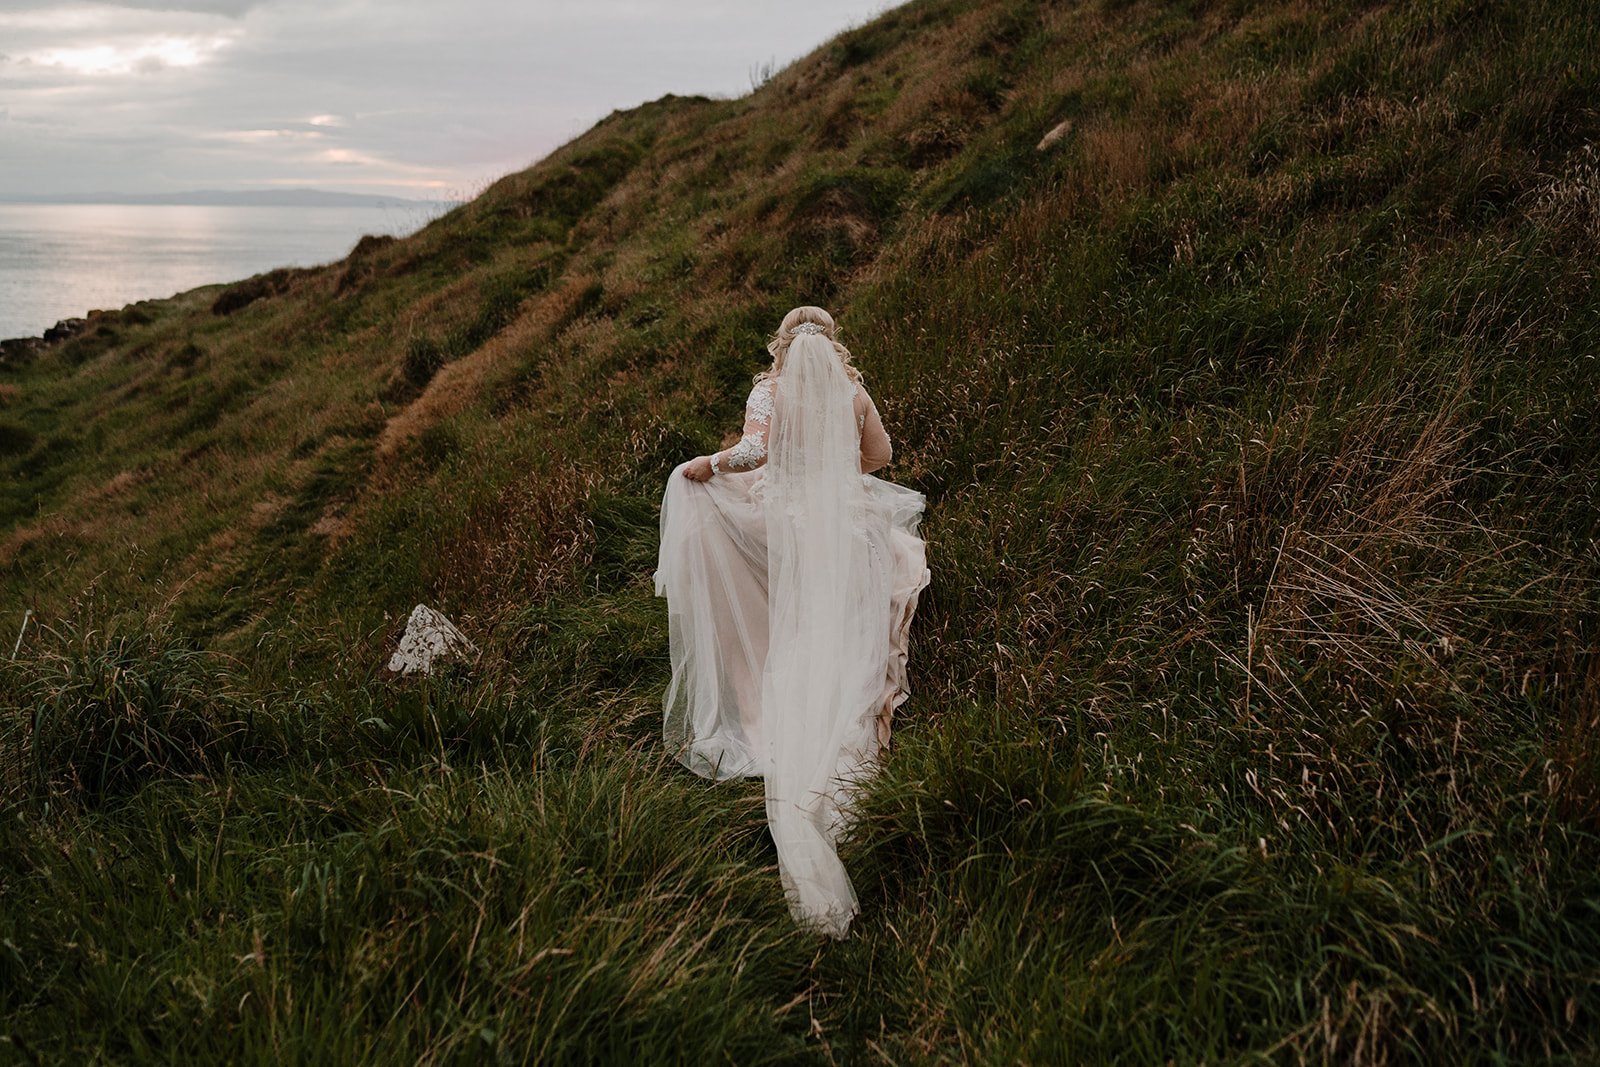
[791, 578]
[826, 610]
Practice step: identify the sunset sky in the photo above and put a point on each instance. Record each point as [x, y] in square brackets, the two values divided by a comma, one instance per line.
[400, 96]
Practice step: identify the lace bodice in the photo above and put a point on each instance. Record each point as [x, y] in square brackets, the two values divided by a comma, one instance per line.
[750, 451]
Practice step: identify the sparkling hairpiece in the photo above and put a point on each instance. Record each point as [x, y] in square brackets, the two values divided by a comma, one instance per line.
[809, 327]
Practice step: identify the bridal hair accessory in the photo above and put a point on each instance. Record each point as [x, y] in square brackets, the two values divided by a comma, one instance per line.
[809, 327]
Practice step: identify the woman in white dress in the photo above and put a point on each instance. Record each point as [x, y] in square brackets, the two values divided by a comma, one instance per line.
[791, 575]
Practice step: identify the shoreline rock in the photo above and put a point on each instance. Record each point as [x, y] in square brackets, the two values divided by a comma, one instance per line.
[19, 351]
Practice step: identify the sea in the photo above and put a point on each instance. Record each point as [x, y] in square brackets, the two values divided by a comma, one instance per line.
[60, 261]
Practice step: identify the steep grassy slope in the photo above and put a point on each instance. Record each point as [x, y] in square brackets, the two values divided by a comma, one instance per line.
[1256, 689]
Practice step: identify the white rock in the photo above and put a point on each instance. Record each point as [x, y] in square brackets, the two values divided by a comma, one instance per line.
[1056, 133]
[429, 636]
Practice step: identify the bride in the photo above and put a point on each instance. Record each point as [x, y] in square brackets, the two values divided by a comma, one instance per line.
[791, 576]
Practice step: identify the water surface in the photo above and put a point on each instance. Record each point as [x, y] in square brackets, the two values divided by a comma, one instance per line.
[60, 260]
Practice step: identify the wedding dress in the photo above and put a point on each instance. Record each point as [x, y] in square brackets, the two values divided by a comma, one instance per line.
[791, 578]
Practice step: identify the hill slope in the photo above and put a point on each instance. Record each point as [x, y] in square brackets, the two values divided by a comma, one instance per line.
[1245, 353]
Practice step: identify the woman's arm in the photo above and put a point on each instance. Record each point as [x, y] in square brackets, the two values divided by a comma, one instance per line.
[876, 451]
[750, 451]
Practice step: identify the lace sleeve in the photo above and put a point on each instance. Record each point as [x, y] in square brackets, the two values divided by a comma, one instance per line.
[751, 450]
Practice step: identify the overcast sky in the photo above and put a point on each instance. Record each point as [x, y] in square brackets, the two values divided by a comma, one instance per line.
[404, 97]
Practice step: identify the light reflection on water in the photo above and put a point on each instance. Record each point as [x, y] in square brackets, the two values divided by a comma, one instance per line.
[61, 260]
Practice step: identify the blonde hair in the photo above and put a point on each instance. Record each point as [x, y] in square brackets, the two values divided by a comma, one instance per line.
[778, 347]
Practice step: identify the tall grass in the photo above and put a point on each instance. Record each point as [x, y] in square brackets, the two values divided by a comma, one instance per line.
[1256, 689]
[95, 717]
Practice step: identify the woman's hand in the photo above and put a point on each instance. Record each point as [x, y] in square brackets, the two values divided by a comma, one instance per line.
[698, 469]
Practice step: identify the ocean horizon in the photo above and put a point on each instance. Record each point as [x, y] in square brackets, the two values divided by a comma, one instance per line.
[61, 261]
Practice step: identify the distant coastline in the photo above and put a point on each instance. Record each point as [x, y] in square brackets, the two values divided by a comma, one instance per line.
[231, 198]
[57, 260]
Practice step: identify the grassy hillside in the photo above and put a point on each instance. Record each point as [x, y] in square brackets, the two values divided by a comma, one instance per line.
[1257, 687]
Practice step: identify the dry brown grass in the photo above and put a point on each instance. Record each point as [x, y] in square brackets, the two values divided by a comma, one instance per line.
[1117, 159]
[460, 382]
[49, 532]
[521, 545]
[118, 486]
[1567, 203]
[267, 508]
[334, 527]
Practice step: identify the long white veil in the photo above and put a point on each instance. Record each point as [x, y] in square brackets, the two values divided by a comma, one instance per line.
[824, 671]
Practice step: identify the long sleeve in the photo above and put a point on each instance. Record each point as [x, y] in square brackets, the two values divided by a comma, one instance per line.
[750, 451]
[876, 451]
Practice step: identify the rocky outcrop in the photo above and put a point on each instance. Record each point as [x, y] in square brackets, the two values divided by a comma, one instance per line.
[65, 330]
[262, 286]
[19, 352]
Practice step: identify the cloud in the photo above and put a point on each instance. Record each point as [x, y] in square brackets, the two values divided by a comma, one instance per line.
[230, 8]
[268, 136]
[350, 157]
[142, 95]
[143, 56]
[226, 8]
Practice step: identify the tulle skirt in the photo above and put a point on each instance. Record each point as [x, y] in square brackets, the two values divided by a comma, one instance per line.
[713, 572]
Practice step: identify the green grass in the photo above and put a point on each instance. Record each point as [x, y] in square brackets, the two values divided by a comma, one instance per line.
[1256, 688]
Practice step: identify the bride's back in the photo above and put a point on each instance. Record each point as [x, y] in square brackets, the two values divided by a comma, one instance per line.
[875, 448]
